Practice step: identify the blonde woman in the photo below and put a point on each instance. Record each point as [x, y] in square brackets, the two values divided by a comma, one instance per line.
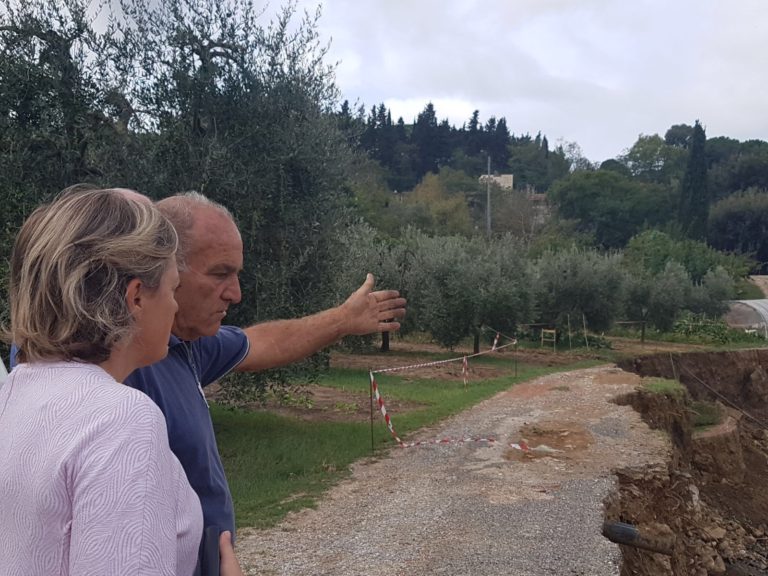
[88, 484]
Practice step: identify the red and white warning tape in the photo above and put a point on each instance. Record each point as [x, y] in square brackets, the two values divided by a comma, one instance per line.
[383, 409]
[465, 374]
[438, 362]
[446, 441]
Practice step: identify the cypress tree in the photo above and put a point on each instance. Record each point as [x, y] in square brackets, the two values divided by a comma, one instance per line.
[694, 196]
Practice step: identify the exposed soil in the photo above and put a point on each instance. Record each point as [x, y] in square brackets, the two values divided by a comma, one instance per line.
[559, 440]
[710, 502]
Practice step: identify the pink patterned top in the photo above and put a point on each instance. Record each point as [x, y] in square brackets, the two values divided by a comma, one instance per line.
[88, 484]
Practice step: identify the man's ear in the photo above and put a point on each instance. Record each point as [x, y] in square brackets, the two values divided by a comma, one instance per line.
[133, 296]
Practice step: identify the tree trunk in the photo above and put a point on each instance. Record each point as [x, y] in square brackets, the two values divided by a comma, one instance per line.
[385, 341]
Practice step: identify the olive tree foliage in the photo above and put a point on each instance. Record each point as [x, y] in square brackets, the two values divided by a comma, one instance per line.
[183, 95]
[506, 291]
[458, 286]
[711, 295]
[669, 294]
[440, 285]
[652, 250]
[360, 249]
[665, 277]
[637, 288]
[242, 113]
[661, 297]
[50, 110]
[572, 282]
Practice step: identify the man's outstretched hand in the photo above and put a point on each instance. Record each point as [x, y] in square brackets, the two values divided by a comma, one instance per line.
[280, 342]
[366, 311]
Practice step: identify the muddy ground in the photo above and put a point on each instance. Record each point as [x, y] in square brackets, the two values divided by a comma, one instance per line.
[706, 510]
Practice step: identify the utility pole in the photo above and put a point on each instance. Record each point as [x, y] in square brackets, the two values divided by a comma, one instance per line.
[488, 199]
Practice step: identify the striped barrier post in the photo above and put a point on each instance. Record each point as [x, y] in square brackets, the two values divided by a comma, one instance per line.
[383, 409]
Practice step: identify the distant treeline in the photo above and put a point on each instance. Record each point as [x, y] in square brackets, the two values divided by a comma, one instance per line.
[409, 151]
[711, 190]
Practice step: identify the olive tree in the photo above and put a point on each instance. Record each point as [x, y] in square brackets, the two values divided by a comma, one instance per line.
[51, 109]
[669, 295]
[456, 286]
[711, 295]
[440, 287]
[183, 95]
[660, 297]
[572, 282]
[360, 248]
[244, 113]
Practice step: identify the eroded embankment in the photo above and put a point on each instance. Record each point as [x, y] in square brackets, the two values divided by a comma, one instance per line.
[709, 507]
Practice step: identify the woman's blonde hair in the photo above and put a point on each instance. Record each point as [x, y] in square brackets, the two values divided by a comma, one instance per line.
[70, 267]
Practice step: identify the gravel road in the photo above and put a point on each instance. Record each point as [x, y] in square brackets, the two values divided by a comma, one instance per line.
[478, 507]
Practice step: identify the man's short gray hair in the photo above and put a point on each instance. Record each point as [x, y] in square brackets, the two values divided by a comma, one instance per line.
[180, 208]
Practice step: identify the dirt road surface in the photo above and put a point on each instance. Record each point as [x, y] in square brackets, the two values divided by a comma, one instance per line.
[517, 489]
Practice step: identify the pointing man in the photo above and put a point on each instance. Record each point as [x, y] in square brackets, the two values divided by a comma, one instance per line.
[201, 350]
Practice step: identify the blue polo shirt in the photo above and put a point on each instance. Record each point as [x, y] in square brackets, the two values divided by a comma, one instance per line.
[176, 385]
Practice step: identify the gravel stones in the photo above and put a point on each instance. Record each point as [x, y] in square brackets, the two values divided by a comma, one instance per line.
[469, 507]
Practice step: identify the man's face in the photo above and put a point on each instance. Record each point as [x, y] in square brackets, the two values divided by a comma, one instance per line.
[209, 282]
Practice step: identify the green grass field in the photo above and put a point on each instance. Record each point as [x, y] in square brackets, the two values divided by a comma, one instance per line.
[277, 464]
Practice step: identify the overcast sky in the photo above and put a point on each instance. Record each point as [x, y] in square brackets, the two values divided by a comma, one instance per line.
[595, 72]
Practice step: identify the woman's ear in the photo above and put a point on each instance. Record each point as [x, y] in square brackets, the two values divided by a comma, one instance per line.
[133, 296]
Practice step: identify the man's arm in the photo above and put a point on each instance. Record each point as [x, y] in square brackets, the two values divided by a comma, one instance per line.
[281, 342]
